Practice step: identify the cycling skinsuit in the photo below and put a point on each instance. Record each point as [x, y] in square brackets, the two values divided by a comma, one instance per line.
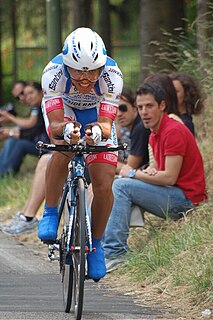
[103, 100]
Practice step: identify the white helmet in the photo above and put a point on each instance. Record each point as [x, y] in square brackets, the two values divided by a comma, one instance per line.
[84, 50]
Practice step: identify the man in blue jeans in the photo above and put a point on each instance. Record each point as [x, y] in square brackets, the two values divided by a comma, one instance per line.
[168, 187]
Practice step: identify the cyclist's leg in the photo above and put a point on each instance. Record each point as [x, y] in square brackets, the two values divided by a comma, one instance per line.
[163, 201]
[102, 175]
[55, 176]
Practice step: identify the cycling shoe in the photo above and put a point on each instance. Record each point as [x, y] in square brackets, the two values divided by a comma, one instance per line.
[48, 227]
[96, 262]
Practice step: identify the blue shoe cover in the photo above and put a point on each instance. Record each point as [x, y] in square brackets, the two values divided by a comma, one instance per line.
[48, 226]
[96, 262]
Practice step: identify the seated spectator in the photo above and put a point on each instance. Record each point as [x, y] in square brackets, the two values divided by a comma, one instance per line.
[17, 93]
[18, 90]
[25, 220]
[129, 129]
[168, 188]
[25, 135]
[190, 97]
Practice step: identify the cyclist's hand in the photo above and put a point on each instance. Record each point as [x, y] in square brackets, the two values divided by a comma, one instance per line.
[93, 133]
[72, 133]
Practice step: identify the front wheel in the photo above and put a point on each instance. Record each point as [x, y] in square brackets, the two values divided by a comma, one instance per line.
[67, 287]
[78, 254]
[66, 264]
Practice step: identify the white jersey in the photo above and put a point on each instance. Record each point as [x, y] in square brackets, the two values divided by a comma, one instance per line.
[60, 93]
[57, 84]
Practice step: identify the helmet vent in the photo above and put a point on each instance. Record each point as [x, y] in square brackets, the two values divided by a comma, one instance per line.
[96, 57]
[79, 46]
[91, 45]
[74, 57]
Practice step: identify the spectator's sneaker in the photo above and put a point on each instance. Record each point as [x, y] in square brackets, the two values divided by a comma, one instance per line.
[96, 268]
[16, 217]
[19, 225]
[48, 227]
[113, 264]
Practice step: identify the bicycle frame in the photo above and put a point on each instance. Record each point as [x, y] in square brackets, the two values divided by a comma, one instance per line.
[76, 171]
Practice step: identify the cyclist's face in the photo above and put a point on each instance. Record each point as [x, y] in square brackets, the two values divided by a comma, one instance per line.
[84, 80]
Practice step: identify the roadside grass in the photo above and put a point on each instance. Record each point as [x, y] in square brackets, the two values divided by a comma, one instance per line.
[14, 190]
[170, 263]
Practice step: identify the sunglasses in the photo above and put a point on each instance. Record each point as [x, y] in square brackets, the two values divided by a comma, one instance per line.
[123, 107]
[20, 94]
[80, 75]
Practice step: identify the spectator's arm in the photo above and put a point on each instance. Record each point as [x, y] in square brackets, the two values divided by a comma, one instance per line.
[8, 133]
[168, 176]
[163, 177]
[21, 122]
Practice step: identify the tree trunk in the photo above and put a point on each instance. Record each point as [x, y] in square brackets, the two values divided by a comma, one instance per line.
[82, 13]
[156, 18]
[105, 28]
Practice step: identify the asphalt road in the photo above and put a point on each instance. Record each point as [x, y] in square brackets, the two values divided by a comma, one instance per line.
[30, 288]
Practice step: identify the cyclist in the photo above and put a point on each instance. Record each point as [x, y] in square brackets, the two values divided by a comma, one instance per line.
[82, 86]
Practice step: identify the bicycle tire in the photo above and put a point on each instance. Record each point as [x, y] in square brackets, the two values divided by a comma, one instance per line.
[67, 269]
[79, 255]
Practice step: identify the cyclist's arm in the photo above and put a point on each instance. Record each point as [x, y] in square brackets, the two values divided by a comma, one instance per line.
[106, 126]
[57, 123]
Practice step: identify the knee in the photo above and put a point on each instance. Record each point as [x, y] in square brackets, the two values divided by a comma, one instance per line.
[103, 189]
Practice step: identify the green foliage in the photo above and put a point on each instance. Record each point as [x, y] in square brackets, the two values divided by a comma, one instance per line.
[180, 53]
[14, 190]
[128, 59]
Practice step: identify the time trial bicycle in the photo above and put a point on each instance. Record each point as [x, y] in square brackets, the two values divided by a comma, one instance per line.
[75, 240]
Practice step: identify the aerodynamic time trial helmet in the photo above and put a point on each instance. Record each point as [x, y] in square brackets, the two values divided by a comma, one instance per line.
[84, 50]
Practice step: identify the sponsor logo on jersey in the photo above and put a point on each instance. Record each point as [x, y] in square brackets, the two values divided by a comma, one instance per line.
[116, 72]
[108, 110]
[55, 66]
[110, 157]
[109, 83]
[113, 135]
[55, 80]
[53, 104]
[108, 95]
[91, 158]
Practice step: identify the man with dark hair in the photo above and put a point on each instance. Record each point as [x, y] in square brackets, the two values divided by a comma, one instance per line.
[168, 187]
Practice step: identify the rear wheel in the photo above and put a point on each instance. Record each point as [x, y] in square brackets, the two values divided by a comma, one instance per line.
[78, 254]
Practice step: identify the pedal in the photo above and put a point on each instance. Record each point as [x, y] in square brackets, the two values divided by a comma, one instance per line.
[48, 242]
[51, 254]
